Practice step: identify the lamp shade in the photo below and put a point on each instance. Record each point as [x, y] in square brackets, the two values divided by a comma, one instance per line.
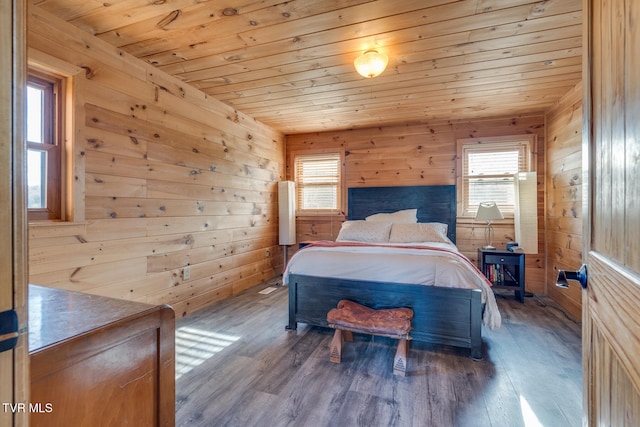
[526, 211]
[371, 63]
[287, 212]
[488, 211]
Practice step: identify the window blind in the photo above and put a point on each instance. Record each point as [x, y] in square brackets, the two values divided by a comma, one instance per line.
[317, 181]
[488, 173]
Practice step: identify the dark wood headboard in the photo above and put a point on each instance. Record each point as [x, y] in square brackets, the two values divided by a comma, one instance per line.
[435, 203]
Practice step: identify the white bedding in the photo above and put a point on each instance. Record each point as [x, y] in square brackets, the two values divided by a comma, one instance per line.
[415, 263]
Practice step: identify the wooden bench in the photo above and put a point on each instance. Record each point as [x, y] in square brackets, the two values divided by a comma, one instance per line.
[351, 317]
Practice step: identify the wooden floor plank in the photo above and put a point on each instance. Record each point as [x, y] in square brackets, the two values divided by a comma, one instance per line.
[262, 375]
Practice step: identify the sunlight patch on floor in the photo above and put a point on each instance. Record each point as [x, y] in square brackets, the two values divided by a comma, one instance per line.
[194, 346]
[529, 417]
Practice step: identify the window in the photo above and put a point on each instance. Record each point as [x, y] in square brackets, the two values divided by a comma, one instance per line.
[488, 169]
[318, 185]
[44, 155]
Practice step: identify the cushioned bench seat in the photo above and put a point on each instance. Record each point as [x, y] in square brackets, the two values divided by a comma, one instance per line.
[350, 316]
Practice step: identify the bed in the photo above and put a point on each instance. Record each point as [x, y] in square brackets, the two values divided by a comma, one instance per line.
[450, 298]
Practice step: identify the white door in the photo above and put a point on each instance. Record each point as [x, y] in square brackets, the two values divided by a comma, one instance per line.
[13, 277]
[611, 303]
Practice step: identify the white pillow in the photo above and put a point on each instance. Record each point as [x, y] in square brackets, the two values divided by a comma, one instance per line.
[407, 216]
[422, 232]
[363, 231]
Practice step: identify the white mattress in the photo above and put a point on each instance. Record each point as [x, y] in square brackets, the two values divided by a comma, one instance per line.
[429, 264]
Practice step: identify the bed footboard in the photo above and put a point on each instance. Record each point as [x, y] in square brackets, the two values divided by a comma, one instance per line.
[449, 316]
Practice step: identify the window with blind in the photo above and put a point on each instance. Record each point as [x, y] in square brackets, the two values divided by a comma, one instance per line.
[317, 178]
[489, 169]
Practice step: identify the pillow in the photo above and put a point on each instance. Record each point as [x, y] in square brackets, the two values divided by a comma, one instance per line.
[407, 216]
[363, 231]
[422, 232]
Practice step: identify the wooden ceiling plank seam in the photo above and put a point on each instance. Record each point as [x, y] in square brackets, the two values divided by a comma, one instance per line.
[537, 61]
[115, 14]
[191, 17]
[323, 125]
[445, 20]
[401, 100]
[400, 35]
[392, 116]
[424, 91]
[462, 81]
[421, 111]
[451, 42]
[317, 37]
[279, 59]
[288, 65]
[232, 27]
[366, 21]
[70, 9]
[384, 117]
[430, 128]
[190, 20]
[286, 91]
[443, 101]
[276, 54]
[570, 44]
[244, 77]
[109, 16]
[336, 108]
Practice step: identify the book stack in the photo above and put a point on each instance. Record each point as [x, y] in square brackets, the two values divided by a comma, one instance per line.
[495, 273]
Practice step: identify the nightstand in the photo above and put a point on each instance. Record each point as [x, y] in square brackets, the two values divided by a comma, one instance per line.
[504, 269]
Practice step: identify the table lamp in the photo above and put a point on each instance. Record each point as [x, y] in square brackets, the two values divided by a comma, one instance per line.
[488, 211]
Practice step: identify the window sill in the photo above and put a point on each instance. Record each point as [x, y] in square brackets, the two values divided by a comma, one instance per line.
[332, 215]
[45, 222]
[508, 219]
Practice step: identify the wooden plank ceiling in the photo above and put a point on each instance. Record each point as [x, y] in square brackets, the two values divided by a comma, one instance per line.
[290, 64]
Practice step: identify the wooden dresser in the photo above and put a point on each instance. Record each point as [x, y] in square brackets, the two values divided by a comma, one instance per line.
[98, 361]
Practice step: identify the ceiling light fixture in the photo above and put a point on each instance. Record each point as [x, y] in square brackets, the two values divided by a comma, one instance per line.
[371, 63]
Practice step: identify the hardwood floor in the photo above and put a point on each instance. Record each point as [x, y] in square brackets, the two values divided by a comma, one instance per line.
[237, 366]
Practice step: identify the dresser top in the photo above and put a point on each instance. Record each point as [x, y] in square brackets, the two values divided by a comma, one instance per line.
[56, 315]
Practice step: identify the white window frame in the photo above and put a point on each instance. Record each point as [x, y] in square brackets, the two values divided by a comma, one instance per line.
[316, 155]
[466, 145]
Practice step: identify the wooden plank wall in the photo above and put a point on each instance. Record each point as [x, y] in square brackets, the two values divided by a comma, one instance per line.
[422, 155]
[564, 197]
[165, 178]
